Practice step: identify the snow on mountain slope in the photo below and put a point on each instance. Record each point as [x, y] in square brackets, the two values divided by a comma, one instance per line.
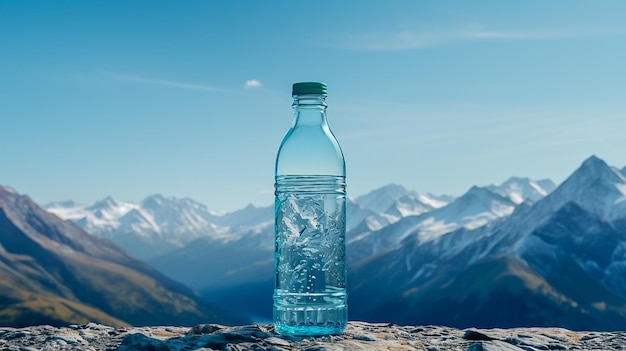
[474, 209]
[178, 217]
[379, 200]
[155, 226]
[440, 200]
[594, 186]
[412, 204]
[355, 214]
[395, 200]
[546, 184]
[101, 217]
[623, 171]
[522, 189]
[388, 204]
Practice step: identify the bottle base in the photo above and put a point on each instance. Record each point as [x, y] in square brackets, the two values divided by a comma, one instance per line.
[310, 321]
[308, 330]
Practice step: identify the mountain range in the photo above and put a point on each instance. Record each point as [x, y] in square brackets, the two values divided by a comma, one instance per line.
[236, 254]
[560, 261]
[53, 272]
[520, 253]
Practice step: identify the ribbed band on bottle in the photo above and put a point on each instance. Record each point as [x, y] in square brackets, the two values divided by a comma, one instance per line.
[313, 184]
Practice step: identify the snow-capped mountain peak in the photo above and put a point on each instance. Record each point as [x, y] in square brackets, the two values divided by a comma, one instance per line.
[107, 204]
[102, 215]
[154, 200]
[594, 186]
[379, 200]
[477, 201]
[595, 168]
[523, 189]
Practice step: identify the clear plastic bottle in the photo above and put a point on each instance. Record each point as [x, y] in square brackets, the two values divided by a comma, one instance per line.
[310, 222]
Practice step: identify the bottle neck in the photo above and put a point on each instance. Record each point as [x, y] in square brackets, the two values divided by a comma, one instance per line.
[309, 110]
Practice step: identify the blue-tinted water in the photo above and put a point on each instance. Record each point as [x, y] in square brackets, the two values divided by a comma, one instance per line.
[309, 255]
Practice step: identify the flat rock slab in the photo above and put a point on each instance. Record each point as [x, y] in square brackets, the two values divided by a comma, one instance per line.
[357, 336]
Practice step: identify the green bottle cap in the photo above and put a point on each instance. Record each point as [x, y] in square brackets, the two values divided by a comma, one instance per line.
[304, 88]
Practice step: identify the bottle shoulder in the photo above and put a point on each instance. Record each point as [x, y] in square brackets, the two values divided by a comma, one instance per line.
[310, 151]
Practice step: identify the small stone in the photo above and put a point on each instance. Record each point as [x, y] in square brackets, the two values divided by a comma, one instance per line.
[277, 341]
[588, 337]
[493, 346]
[363, 338]
[513, 341]
[231, 347]
[213, 341]
[140, 342]
[327, 347]
[204, 329]
[555, 337]
[530, 348]
[14, 335]
[474, 335]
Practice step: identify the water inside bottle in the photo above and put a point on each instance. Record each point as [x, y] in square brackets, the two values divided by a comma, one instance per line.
[310, 294]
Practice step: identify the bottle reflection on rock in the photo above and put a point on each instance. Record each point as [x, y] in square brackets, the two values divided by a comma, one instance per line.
[310, 222]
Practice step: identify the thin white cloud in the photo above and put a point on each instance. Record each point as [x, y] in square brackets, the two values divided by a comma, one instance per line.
[253, 83]
[419, 39]
[174, 84]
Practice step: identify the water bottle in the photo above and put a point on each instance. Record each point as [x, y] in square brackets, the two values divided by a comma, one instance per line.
[310, 222]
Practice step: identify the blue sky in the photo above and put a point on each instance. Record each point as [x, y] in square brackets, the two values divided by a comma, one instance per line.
[192, 98]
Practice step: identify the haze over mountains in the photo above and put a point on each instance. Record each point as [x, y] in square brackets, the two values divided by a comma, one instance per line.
[520, 253]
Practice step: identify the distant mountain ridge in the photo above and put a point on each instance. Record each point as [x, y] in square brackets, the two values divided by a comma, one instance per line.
[53, 272]
[157, 225]
[160, 225]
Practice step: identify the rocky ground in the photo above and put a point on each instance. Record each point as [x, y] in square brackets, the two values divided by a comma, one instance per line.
[357, 336]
